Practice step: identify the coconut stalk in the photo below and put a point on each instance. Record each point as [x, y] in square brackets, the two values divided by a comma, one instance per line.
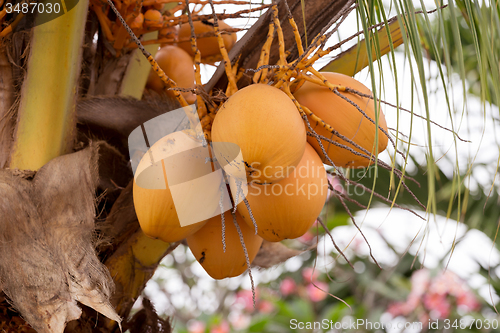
[46, 116]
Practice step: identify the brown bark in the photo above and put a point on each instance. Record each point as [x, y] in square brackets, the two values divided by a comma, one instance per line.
[7, 112]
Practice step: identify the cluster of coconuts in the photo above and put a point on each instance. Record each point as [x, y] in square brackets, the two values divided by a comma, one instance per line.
[287, 183]
[176, 60]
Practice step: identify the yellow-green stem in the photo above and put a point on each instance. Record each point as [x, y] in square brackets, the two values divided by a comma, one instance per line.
[46, 121]
[138, 69]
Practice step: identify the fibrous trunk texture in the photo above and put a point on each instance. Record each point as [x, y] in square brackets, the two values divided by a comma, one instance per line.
[47, 256]
[7, 114]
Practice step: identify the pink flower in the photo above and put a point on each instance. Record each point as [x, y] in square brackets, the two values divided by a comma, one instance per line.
[447, 282]
[317, 292]
[337, 186]
[438, 303]
[220, 328]
[420, 281]
[245, 297]
[239, 321]
[288, 286]
[423, 317]
[468, 300]
[397, 309]
[412, 302]
[196, 326]
[310, 274]
[434, 295]
[265, 307]
[404, 308]
[307, 237]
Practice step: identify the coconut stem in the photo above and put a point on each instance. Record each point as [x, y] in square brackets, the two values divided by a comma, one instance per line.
[202, 109]
[46, 125]
[238, 190]
[221, 205]
[227, 62]
[295, 30]
[242, 241]
[264, 57]
[281, 38]
[251, 214]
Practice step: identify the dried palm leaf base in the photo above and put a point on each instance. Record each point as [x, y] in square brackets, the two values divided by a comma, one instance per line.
[47, 256]
[10, 321]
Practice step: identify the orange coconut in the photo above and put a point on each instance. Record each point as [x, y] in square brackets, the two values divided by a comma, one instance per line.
[267, 127]
[156, 210]
[206, 245]
[208, 46]
[153, 19]
[178, 66]
[168, 33]
[287, 209]
[137, 22]
[344, 118]
[157, 215]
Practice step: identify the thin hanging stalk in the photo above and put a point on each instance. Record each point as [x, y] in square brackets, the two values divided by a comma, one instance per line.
[46, 117]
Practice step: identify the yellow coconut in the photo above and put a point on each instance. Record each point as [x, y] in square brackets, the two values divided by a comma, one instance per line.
[287, 209]
[177, 65]
[189, 193]
[267, 127]
[153, 19]
[344, 118]
[206, 245]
